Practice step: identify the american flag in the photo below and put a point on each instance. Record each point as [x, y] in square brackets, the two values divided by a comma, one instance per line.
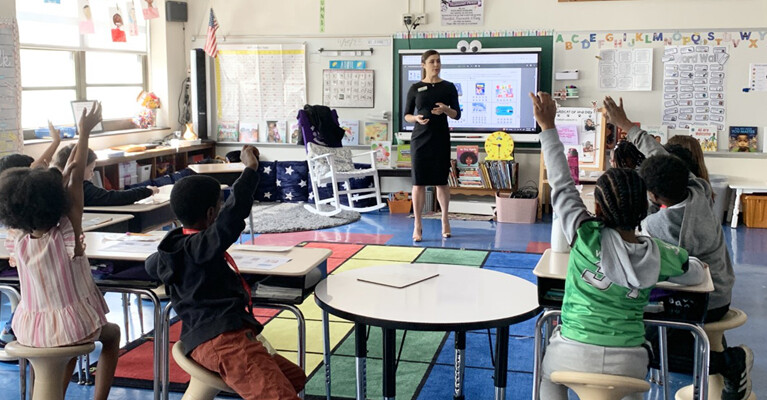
[211, 48]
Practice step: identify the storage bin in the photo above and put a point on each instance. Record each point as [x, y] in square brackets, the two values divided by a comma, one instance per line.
[515, 211]
[400, 206]
[755, 210]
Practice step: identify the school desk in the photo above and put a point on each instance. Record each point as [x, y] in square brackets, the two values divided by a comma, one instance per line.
[551, 271]
[456, 298]
[226, 173]
[115, 223]
[146, 217]
[741, 187]
[294, 281]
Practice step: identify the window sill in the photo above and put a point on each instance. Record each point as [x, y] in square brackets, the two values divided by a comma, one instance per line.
[101, 134]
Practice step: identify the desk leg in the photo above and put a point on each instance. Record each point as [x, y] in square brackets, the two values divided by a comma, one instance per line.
[326, 350]
[663, 348]
[736, 208]
[460, 354]
[361, 352]
[501, 361]
[165, 340]
[389, 363]
[252, 234]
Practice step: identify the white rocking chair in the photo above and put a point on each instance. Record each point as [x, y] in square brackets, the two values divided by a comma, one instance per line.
[333, 165]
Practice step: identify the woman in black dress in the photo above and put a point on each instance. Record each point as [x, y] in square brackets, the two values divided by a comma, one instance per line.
[429, 103]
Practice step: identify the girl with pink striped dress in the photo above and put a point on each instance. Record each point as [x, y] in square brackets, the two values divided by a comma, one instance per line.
[60, 303]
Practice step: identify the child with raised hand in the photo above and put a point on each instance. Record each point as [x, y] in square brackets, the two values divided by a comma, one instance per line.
[686, 218]
[60, 303]
[611, 269]
[208, 293]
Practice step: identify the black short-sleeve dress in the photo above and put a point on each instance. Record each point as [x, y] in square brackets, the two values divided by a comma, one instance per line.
[430, 143]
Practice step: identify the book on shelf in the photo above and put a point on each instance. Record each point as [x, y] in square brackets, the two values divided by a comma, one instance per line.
[404, 159]
[706, 136]
[743, 139]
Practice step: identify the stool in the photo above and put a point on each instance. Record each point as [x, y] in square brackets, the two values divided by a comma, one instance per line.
[715, 332]
[204, 385]
[48, 364]
[590, 386]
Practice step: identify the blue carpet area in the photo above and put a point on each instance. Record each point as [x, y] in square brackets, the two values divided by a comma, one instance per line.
[479, 384]
[512, 260]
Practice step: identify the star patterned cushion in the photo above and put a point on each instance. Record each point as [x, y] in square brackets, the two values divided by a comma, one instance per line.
[293, 181]
[267, 187]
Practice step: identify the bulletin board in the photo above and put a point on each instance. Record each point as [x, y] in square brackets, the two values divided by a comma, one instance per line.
[346, 88]
[10, 89]
[729, 55]
[318, 52]
[543, 42]
[583, 129]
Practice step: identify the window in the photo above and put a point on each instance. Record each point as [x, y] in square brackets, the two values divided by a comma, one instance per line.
[59, 64]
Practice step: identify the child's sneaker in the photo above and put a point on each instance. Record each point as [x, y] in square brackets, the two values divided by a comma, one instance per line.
[737, 379]
[6, 337]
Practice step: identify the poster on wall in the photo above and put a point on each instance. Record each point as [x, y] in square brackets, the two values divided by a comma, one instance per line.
[462, 12]
[86, 18]
[10, 88]
[580, 128]
[757, 77]
[693, 86]
[625, 70]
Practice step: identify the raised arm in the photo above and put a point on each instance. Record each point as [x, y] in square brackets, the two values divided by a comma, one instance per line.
[45, 159]
[616, 114]
[565, 199]
[75, 185]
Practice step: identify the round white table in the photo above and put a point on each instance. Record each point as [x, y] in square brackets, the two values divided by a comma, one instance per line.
[457, 299]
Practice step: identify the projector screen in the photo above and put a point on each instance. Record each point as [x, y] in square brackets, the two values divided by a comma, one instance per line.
[492, 88]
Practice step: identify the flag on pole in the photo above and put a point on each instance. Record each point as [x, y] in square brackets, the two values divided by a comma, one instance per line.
[210, 41]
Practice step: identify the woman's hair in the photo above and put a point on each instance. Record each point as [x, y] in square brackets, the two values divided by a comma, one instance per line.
[622, 198]
[626, 155]
[425, 56]
[692, 144]
[32, 199]
[61, 157]
[468, 154]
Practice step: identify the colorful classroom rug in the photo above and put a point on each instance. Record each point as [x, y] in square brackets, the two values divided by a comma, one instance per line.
[425, 370]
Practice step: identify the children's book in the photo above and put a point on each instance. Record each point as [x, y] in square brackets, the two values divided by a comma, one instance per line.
[383, 155]
[467, 156]
[659, 133]
[743, 139]
[248, 132]
[295, 132]
[275, 132]
[376, 132]
[404, 159]
[706, 136]
[227, 132]
[351, 129]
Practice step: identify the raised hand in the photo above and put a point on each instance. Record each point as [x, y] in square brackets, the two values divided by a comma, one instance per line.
[616, 114]
[89, 120]
[69, 166]
[544, 109]
[55, 134]
[249, 156]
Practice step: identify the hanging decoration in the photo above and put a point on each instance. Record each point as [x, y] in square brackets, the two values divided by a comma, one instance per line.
[132, 21]
[150, 11]
[118, 35]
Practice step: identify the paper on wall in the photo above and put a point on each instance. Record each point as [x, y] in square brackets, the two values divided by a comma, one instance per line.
[625, 70]
[757, 77]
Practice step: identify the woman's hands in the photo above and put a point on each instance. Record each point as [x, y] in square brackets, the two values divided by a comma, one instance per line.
[419, 119]
[440, 108]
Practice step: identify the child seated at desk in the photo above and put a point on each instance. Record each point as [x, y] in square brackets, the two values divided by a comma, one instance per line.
[60, 304]
[96, 196]
[208, 293]
[686, 218]
[611, 270]
[17, 160]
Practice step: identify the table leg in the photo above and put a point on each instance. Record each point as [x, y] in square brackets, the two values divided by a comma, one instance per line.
[736, 208]
[663, 348]
[361, 352]
[252, 233]
[460, 353]
[501, 361]
[326, 350]
[165, 341]
[389, 363]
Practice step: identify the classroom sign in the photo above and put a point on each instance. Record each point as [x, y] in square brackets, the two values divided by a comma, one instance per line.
[616, 40]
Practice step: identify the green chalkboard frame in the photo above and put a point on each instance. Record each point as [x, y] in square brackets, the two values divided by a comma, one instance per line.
[546, 43]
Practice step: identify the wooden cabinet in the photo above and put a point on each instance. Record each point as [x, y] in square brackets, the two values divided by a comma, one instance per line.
[174, 158]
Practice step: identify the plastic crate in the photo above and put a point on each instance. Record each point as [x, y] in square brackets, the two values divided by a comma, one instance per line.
[755, 210]
[400, 206]
[515, 211]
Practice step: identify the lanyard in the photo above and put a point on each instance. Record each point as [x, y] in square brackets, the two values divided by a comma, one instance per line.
[232, 264]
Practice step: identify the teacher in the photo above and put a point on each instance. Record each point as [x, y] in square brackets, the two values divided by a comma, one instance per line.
[429, 103]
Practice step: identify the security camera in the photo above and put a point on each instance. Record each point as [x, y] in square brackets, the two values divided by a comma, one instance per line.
[463, 46]
[474, 46]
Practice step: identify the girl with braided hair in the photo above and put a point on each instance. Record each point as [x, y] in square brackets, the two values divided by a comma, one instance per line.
[611, 269]
[626, 155]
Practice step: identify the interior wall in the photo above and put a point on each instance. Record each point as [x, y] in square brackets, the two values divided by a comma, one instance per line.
[7, 8]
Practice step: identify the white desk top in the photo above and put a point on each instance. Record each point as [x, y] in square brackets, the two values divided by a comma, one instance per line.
[459, 298]
[302, 259]
[553, 265]
[130, 208]
[93, 221]
[747, 184]
[217, 168]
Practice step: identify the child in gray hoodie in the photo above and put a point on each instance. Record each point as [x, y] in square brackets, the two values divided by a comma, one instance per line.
[686, 219]
[611, 270]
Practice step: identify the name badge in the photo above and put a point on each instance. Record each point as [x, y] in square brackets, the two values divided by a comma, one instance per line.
[423, 88]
